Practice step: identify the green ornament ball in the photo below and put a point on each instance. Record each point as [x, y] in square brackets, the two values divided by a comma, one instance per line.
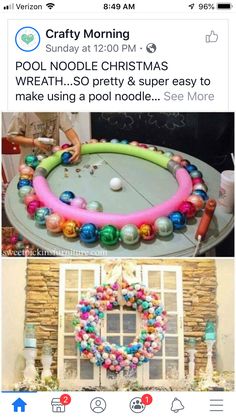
[109, 235]
[145, 304]
[31, 161]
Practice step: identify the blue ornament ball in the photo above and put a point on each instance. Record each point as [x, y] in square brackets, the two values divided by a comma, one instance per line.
[24, 182]
[65, 157]
[124, 142]
[191, 168]
[41, 214]
[88, 233]
[178, 219]
[67, 197]
[201, 193]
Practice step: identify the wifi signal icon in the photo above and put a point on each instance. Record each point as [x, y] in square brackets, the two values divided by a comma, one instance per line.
[50, 5]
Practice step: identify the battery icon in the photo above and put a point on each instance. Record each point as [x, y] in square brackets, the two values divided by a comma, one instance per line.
[224, 6]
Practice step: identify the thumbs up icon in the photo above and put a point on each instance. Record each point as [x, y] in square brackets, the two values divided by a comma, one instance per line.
[213, 37]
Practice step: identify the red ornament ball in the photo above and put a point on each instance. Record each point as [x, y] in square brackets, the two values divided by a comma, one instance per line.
[188, 209]
[197, 180]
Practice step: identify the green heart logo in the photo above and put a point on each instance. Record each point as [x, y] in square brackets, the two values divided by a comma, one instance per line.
[27, 39]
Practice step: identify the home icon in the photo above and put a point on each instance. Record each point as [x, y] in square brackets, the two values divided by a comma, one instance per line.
[57, 406]
[19, 404]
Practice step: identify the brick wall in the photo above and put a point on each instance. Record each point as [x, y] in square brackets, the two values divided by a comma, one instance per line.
[199, 290]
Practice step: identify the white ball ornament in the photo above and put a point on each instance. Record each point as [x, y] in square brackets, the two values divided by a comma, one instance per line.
[105, 355]
[151, 310]
[148, 298]
[124, 291]
[116, 184]
[137, 287]
[91, 318]
[85, 336]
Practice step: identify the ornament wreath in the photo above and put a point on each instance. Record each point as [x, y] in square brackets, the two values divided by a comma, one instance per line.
[107, 297]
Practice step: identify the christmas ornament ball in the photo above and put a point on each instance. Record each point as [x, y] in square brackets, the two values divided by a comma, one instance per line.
[24, 182]
[64, 146]
[197, 201]
[188, 209]
[33, 206]
[67, 197]
[78, 202]
[196, 174]
[26, 170]
[178, 219]
[65, 157]
[200, 186]
[32, 161]
[109, 235]
[129, 234]
[70, 229]
[163, 226]
[41, 214]
[30, 197]
[147, 232]
[88, 233]
[201, 193]
[14, 239]
[24, 191]
[54, 223]
[94, 206]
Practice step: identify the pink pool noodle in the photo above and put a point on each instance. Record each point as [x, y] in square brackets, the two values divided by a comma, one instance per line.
[149, 215]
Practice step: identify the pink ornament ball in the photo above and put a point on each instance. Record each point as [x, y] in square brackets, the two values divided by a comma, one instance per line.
[54, 223]
[197, 201]
[33, 206]
[26, 170]
[64, 146]
[134, 143]
[142, 145]
[14, 239]
[29, 198]
[177, 158]
[78, 202]
[118, 368]
[188, 209]
[197, 180]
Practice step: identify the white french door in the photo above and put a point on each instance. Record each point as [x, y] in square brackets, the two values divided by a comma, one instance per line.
[169, 362]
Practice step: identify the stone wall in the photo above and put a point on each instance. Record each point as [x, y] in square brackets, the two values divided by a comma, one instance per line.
[199, 291]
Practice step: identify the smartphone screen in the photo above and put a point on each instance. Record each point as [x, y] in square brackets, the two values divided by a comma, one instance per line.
[117, 154]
